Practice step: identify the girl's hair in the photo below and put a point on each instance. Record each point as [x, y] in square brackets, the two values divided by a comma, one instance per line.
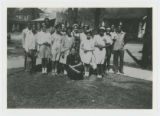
[69, 28]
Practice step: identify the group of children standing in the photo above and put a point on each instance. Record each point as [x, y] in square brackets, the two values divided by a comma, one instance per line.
[77, 53]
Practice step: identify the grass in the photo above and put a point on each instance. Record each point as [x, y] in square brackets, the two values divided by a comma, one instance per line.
[26, 90]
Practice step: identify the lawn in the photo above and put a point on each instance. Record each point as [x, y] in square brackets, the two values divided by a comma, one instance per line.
[25, 90]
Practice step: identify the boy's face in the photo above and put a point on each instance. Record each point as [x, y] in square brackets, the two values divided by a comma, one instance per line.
[108, 30]
[33, 27]
[38, 26]
[44, 28]
[58, 30]
[63, 27]
[69, 31]
[88, 35]
[85, 29]
[101, 32]
[119, 29]
[47, 21]
[76, 29]
[112, 27]
[73, 51]
[29, 26]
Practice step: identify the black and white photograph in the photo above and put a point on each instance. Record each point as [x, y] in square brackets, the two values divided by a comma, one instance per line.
[79, 58]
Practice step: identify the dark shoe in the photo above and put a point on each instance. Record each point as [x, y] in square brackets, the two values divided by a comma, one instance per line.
[121, 72]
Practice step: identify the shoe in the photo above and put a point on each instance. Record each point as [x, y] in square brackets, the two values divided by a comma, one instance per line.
[115, 72]
[99, 76]
[65, 72]
[107, 71]
[121, 72]
[87, 74]
[45, 70]
[42, 70]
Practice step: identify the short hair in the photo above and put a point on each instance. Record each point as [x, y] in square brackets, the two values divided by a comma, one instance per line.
[46, 19]
[86, 26]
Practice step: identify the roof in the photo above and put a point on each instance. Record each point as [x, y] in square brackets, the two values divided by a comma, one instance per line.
[42, 19]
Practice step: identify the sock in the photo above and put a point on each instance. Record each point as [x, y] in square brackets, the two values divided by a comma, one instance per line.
[65, 72]
[42, 70]
[87, 73]
[45, 70]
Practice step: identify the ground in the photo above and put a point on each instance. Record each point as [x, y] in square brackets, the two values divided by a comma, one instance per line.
[41, 91]
[25, 90]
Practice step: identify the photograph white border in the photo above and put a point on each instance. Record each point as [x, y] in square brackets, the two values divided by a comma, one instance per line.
[154, 6]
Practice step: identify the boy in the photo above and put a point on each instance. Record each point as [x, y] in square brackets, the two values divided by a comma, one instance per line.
[74, 65]
[24, 38]
[29, 46]
[108, 41]
[118, 49]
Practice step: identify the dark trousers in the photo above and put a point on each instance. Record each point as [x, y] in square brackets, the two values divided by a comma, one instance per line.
[74, 75]
[25, 60]
[33, 59]
[118, 55]
[108, 57]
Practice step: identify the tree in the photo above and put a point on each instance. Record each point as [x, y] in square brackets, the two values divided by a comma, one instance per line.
[97, 15]
[34, 12]
[147, 43]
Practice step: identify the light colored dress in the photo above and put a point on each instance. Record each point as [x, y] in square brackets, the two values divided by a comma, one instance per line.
[99, 53]
[87, 44]
[82, 38]
[56, 46]
[67, 43]
[44, 42]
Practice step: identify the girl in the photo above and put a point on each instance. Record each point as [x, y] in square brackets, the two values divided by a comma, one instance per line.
[100, 51]
[56, 48]
[44, 43]
[66, 46]
[87, 47]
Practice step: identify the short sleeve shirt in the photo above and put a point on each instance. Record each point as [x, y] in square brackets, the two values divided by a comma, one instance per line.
[119, 41]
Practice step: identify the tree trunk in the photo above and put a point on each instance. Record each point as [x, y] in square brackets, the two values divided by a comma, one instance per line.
[97, 17]
[75, 15]
[147, 44]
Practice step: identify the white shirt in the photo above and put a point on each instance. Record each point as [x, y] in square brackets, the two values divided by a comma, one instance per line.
[108, 39]
[24, 32]
[119, 41]
[83, 36]
[113, 34]
[29, 40]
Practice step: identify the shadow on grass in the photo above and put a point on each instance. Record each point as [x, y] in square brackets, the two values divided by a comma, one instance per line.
[46, 91]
